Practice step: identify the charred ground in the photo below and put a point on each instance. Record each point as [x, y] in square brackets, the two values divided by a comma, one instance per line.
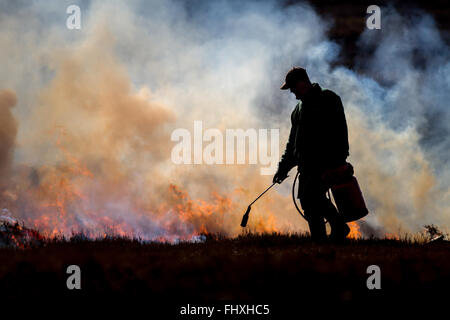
[269, 267]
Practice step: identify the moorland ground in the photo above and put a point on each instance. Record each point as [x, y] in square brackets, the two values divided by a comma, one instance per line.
[269, 267]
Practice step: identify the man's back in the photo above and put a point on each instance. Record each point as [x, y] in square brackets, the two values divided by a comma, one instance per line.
[321, 138]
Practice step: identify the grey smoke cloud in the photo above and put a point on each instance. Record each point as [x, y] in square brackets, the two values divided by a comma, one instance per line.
[8, 132]
[137, 70]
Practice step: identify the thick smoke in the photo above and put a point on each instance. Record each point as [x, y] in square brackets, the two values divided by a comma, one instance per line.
[8, 132]
[96, 108]
[400, 120]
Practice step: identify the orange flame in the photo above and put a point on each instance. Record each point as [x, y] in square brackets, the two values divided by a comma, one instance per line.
[355, 232]
[391, 236]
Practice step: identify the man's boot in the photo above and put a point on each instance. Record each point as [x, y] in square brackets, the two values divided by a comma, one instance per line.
[339, 232]
[317, 228]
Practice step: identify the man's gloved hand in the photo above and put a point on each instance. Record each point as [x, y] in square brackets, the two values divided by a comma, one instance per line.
[279, 176]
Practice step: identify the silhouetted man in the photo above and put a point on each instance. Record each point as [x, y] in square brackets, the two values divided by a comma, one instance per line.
[318, 141]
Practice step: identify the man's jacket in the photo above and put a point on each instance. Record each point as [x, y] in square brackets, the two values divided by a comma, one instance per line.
[318, 139]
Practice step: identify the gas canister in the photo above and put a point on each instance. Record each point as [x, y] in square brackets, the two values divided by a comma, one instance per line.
[346, 192]
[349, 200]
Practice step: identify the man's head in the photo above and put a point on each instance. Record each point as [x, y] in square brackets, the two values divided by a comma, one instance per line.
[297, 81]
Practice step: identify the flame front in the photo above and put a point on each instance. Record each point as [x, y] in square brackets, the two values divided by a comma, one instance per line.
[69, 198]
[355, 232]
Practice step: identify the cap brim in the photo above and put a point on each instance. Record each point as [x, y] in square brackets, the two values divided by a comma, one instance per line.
[285, 86]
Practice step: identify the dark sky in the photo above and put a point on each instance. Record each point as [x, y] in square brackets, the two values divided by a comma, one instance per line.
[348, 23]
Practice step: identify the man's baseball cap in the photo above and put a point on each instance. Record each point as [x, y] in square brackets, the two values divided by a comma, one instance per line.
[294, 75]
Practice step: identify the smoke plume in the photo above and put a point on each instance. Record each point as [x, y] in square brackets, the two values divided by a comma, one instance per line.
[96, 108]
[8, 132]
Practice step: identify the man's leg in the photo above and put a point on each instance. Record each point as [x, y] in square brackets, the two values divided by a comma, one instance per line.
[339, 229]
[309, 195]
[317, 206]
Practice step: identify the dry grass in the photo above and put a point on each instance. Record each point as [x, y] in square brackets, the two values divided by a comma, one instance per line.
[269, 267]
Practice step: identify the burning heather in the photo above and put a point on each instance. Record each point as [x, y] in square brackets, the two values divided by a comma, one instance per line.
[14, 235]
[86, 117]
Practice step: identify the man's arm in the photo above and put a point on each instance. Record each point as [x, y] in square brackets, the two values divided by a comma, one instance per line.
[337, 134]
[288, 160]
[342, 130]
